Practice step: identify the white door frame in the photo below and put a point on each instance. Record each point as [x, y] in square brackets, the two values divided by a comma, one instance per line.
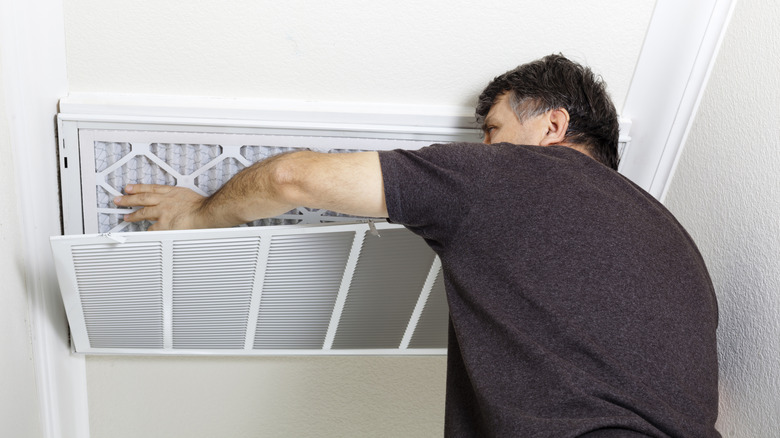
[680, 48]
[671, 74]
[32, 46]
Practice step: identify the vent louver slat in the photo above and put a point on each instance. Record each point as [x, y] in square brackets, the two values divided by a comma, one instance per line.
[380, 301]
[431, 329]
[212, 289]
[116, 313]
[302, 280]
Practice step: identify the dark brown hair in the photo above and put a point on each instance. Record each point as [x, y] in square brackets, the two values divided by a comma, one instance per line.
[556, 82]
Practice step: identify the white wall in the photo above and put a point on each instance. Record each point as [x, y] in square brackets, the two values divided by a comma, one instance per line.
[437, 52]
[19, 408]
[401, 51]
[726, 191]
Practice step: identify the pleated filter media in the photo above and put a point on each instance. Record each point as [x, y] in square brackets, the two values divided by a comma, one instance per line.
[203, 168]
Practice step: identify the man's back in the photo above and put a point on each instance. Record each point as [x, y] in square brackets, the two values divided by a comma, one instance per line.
[577, 302]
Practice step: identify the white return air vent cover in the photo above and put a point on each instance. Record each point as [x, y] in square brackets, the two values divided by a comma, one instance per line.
[323, 289]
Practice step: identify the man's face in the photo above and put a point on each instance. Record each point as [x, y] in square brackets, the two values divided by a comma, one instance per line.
[502, 125]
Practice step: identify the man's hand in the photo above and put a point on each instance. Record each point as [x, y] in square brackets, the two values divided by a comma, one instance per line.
[170, 207]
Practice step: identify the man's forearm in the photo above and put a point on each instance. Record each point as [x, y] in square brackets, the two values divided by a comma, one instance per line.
[253, 193]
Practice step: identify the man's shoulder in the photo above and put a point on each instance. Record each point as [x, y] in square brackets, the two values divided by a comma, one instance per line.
[477, 152]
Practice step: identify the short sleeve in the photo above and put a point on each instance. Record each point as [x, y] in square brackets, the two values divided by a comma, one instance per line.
[431, 190]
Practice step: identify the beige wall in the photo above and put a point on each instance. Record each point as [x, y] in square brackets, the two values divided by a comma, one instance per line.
[19, 409]
[401, 51]
[266, 397]
[726, 191]
[438, 52]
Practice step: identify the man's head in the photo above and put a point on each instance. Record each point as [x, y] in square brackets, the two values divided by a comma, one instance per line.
[552, 101]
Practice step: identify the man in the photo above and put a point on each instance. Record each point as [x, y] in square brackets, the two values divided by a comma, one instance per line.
[578, 305]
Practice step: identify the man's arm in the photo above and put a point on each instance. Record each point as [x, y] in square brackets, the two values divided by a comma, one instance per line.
[349, 183]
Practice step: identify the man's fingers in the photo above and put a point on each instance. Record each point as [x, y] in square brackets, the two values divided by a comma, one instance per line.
[169, 206]
[141, 194]
[146, 213]
[147, 188]
[142, 199]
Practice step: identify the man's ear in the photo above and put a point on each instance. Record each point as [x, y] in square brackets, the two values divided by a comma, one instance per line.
[557, 125]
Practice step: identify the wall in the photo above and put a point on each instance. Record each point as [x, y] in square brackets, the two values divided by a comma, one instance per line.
[19, 408]
[407, 51]
[438, 52]
[268, 397]
[726, 191]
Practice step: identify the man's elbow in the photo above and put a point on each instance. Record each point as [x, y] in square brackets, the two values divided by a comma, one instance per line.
[287, 178]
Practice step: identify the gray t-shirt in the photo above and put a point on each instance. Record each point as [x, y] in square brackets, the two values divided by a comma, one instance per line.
[577, 302]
